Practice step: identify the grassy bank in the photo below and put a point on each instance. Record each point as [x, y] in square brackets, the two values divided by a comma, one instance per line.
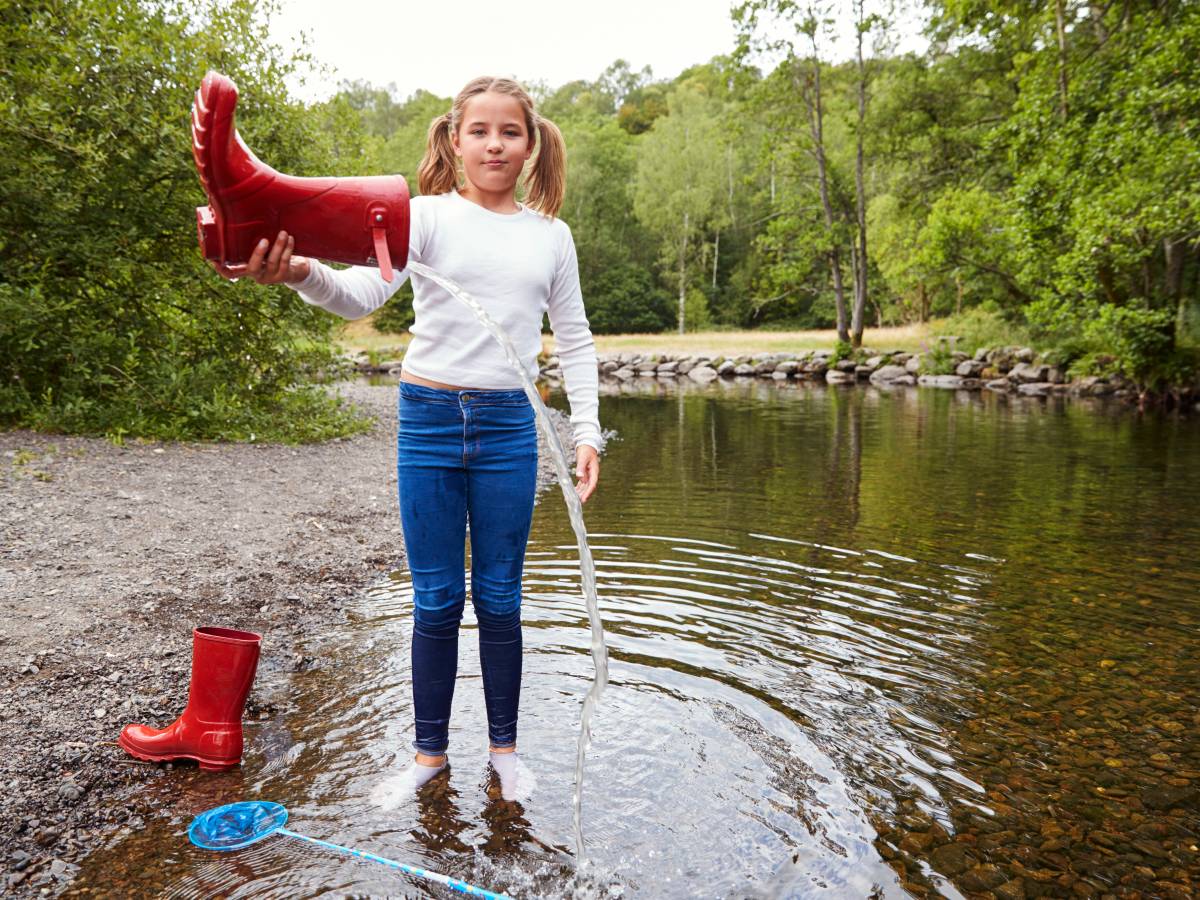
[361, 337]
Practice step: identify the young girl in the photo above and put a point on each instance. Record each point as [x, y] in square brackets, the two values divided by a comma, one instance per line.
[467, 441]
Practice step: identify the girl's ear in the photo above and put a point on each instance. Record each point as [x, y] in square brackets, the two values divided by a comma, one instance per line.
[454, 142]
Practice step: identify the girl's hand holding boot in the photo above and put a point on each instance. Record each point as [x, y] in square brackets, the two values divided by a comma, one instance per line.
[276, 267]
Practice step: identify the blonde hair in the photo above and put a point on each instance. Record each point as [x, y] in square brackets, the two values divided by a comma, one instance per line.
[546, 180]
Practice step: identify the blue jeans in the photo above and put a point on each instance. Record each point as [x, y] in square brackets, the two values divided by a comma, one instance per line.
[465, 456]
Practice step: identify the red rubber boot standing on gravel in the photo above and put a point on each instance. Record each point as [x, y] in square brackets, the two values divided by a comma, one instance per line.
[362, 220]
[210, 730]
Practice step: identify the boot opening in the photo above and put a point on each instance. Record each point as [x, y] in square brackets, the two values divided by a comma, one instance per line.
[228, 635]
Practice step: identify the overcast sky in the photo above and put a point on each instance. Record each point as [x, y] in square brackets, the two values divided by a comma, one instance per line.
[440, 46]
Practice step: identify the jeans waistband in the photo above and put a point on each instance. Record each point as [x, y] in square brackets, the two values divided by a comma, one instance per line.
[420, 392]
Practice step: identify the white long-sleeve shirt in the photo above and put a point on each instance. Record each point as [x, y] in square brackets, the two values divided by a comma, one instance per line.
[518, 267]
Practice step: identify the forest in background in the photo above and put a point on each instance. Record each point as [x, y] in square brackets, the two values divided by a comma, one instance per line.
[1035, 176]
[1039, 166]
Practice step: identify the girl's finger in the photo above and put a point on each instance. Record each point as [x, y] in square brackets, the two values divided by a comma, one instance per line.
[272, 270]
[285, 261]
[254, 264]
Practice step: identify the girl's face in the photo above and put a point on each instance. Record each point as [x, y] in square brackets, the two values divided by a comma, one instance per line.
[493, 142]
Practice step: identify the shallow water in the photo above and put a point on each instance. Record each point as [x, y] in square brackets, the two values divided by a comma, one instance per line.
[861, 642]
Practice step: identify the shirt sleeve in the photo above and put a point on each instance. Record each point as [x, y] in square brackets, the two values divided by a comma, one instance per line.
[350, 293]
[575, 346]
[360, 290]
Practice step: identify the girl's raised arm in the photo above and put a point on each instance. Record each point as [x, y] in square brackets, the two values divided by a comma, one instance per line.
[350, 293]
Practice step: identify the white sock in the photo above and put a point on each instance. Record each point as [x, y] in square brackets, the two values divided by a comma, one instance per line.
[402, 786]
[516, 780]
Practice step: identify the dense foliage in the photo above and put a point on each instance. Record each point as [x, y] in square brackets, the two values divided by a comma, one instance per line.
[109, 320]
[1035, 174]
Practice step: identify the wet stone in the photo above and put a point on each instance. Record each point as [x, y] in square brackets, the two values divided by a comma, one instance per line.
[917, 843]
[1011, 890]
[1169, 796]
[1149, 848]
[950, 859]
[990, 842]
[982, 878]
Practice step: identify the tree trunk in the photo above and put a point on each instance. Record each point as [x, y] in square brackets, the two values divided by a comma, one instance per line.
[860, 273]
[683, 274]
[729, 172]
[1096, 12]
[1060, 28]
[855, 288]
[923, 301]
[816, 125]
[716, 256]
[1176, 254]
[1104, 274]
[839, 294]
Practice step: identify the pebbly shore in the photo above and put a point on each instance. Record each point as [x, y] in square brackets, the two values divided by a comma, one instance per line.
[109, 555]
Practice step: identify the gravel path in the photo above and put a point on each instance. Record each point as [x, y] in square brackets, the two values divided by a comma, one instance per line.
[110, 555]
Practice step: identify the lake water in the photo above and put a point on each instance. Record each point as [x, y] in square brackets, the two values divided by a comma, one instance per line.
[862, 643]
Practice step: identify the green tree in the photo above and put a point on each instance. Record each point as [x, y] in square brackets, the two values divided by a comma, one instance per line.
[627, 299]
[1103, 152]
[796, 99]
[109, 319]
[679, 182]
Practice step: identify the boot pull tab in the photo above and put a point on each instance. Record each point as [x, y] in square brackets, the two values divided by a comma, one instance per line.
[378, 217]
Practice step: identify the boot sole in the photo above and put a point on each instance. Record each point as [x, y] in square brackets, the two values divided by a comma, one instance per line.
[204, 113]
[208, 765]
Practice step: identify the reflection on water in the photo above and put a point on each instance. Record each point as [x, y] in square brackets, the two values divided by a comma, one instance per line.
[863, 643]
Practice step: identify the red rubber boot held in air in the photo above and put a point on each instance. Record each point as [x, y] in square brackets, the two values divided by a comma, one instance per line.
[361, 221]
[210, 730]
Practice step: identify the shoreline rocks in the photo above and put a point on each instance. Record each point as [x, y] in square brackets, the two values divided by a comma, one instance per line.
[1016, 371]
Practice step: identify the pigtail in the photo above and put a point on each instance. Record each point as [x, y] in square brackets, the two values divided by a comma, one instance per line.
[546, 183]
[438, 172]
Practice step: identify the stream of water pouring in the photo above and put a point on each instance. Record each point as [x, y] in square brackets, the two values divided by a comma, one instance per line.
[575, 510]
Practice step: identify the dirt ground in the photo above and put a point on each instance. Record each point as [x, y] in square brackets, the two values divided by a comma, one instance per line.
[109, 555]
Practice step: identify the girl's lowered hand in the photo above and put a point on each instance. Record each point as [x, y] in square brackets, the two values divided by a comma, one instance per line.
[275, 267]
[587, 471]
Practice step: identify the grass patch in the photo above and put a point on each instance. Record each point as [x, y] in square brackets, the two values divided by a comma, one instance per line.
[981, 327]
[360, 336]
[750, 343]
